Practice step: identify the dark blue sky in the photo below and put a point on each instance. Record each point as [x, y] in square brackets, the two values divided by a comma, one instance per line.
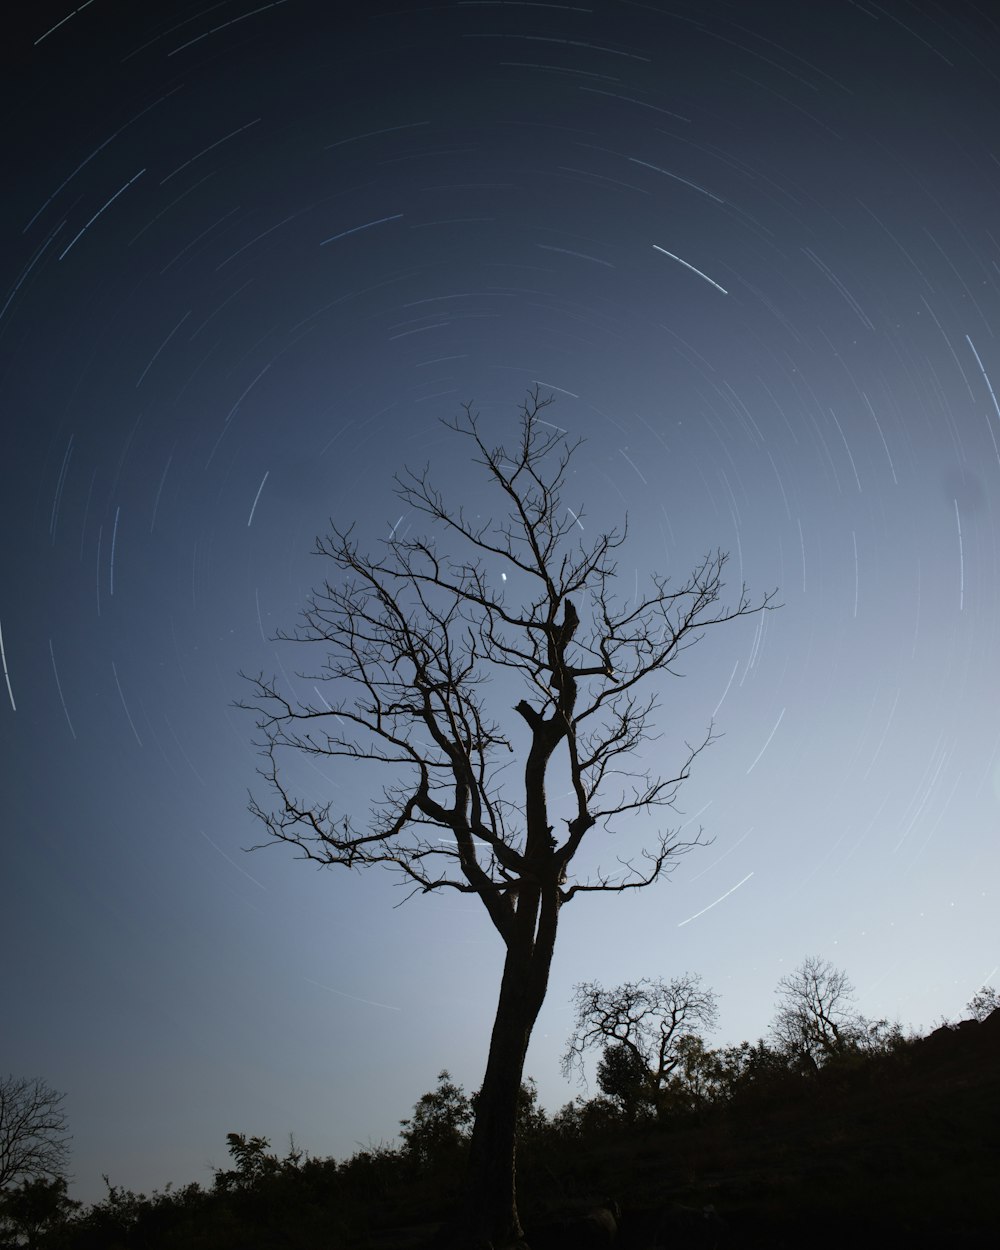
[250, 255]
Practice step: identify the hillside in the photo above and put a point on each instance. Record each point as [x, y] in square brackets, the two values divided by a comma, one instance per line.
[900, 1149]
[899, 1146]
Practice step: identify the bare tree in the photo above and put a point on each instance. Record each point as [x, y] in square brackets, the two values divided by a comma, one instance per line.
[816, 1017]
[410, 637]
[33, 1139]
[640, 1027]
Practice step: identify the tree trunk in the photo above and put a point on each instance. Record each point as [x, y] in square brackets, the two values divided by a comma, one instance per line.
[490, 1213]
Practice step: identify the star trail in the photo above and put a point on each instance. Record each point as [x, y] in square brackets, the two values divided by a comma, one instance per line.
[251, 256]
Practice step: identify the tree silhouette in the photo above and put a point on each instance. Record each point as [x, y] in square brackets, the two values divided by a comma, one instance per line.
[410, 637]
[816, 1018]
[984, 1002]
[33, 1139]
[31, 1208]
[435, 1133]
[622, 1075]
[641, 1028]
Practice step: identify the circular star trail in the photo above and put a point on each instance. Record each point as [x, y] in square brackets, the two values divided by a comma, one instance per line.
[251, 255]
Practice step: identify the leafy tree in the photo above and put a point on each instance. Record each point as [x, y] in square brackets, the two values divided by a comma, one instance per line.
[411, 637]
[984, 1002]
[752, 1070]
[253, 1163]
[436, 1133]
[585, 1118]
[640, 1026]
[110, 1222]
[35, 1206]
[622, 1074]
[368, 1174]
[698, 1078]
[816, 1018]
[33, 1138]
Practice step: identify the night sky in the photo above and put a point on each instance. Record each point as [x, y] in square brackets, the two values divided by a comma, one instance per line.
[251, 256]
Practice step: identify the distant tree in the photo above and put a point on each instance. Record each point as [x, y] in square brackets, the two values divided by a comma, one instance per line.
[984, 1002]
[253, 1163]
[33, 1138]
[752, 1070]
[698, 1078]
[622, 1074]
[585, 1118]
[640, 1027]
[411, 638]
[35, 1206]
[879, 1037]
[368, 1174]
[816, 1018]
[116, 1217]
[436, 1133]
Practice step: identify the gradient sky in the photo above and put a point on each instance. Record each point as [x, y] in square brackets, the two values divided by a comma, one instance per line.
[251, 254]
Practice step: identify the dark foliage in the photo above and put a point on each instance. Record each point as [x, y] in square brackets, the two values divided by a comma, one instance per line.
[28, 1209]
[894, 1141]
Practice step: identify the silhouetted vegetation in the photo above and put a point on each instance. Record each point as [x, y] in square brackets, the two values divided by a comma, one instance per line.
[33, 1138]
[881, 1137]
[646, 1031]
